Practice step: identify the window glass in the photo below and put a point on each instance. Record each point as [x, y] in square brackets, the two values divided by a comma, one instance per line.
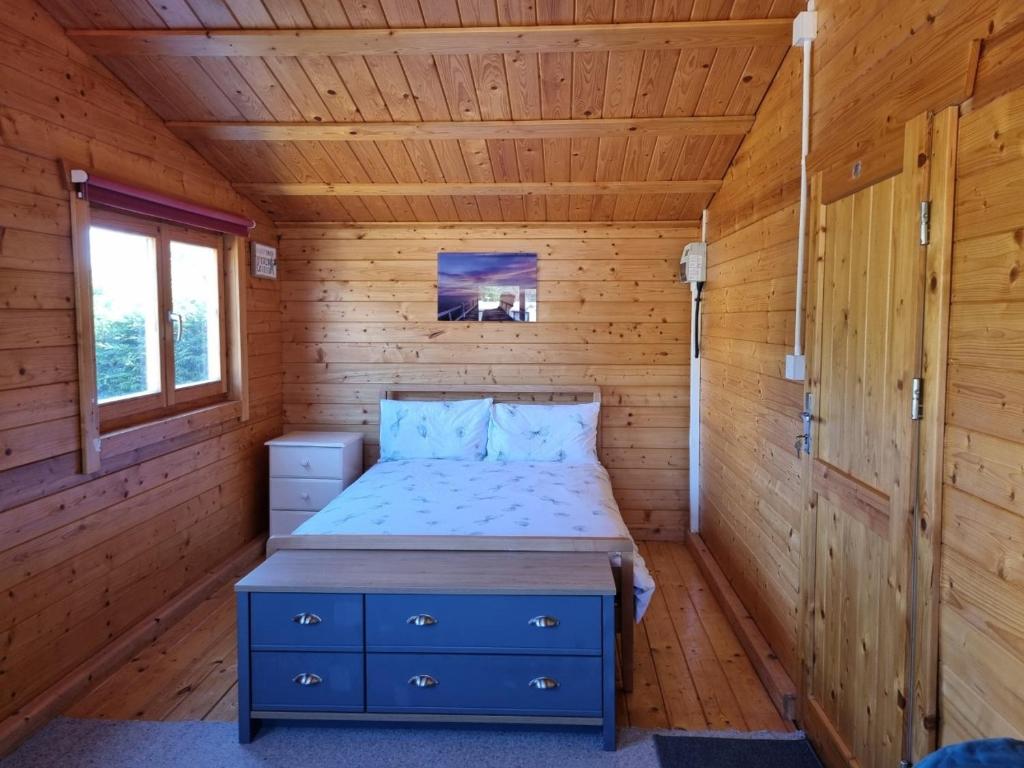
[195, 313]
[125, 313]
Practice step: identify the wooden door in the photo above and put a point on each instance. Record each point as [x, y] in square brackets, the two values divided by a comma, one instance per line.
[867, 294]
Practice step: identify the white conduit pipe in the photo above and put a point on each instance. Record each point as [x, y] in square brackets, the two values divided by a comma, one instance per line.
[801, 245]
[802, 35]
[694, 441]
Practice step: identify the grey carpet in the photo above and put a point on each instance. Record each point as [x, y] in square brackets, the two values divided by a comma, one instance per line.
[687, 751]
[72, 743]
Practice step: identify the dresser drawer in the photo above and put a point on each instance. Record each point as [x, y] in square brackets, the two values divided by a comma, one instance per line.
[294, 620]
[543, 624]
[302, 494]
[306, 461]
[324, 682]
[484, 684]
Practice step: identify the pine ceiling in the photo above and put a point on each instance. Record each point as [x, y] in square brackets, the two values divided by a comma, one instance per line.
[451, 110]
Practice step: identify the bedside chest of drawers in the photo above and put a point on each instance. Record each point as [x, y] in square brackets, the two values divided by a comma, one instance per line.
[307, 470]
[452, 637]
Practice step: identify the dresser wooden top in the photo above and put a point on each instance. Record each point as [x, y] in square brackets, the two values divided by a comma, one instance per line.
[415, 572]
[317, 439]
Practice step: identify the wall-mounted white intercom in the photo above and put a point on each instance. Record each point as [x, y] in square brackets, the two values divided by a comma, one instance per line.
[693, 264]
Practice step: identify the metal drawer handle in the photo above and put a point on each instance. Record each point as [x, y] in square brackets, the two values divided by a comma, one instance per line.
[543, 683]
[307, 678]
[543, 622]
[423, 681]
[421, 620]
[306, 619]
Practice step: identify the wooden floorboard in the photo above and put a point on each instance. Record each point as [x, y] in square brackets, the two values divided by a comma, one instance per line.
[690, 673]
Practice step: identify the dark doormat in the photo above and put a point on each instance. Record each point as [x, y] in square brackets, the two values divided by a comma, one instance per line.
[735, 752]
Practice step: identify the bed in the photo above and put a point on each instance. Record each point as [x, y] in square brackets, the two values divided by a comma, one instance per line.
[431, 504]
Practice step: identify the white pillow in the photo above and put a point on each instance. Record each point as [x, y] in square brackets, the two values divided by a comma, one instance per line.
[566, 433]
[448, 429]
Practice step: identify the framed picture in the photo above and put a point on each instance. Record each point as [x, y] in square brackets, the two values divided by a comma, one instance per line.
[487, 287]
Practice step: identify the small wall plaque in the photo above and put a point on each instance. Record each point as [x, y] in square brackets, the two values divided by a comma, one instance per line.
[263, 261]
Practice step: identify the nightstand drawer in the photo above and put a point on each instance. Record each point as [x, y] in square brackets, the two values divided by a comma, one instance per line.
[321, 682]
[306, 461]
[525, 623]
[481, 684]
[293, 620]
[302, 494]
[284, 521]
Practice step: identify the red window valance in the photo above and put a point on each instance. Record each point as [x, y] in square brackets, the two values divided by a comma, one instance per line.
[119, 196]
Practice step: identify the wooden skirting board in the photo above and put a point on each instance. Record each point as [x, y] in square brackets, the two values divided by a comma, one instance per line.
[57, 698]
[767, 665]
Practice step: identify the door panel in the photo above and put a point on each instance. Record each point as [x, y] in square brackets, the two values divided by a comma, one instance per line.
[867, 285]
[854, 368]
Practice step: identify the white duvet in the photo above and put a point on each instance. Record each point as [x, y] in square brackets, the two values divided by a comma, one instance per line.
[429, 497]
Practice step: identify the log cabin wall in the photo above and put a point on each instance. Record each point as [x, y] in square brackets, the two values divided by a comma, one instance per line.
[84, 558]
[981, 616]
[750, 497]
[359, 313]
[876, 65]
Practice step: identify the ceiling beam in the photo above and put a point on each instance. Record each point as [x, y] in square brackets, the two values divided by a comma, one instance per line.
[743, 33]
[703, 186]
[484, 129]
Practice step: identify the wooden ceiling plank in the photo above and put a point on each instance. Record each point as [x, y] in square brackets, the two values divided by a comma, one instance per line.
[288, 14]
[263, 83]
[728, 33]
[213, 13]
[343, 158]
[688, 83]
[177, 13]
[490, 83]
[484, 188]
[455, 76]
[453, 164]
[621, 86]
[251, 14]
[414, 161]
[556, 104]
[428, 93]
[367, 79]
[589, 80]
[207, 91]
[236, 88]
[522, 71]
[331, 88]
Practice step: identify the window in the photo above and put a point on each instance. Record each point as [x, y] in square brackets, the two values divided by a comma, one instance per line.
[158, 318]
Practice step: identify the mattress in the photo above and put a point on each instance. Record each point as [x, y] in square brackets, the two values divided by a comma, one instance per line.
[427, 497]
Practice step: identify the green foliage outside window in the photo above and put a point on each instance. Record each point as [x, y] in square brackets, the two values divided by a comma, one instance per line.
[120, 355]
[121, 352]
[191, 358]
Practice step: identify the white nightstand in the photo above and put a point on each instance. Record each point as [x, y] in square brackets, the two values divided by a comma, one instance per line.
[307, 470]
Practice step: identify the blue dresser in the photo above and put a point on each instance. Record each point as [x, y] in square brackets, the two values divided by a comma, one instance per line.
[386, 635]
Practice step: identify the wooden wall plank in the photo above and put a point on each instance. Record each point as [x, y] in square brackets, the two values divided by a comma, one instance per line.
[84, 556]
[610, 313]
[752, 262]
[981, 618]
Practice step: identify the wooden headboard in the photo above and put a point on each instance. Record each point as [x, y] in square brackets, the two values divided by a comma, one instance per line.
[501, 393]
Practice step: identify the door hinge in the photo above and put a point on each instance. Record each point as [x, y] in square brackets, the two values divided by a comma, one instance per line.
[926, 221]
[917, 400]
